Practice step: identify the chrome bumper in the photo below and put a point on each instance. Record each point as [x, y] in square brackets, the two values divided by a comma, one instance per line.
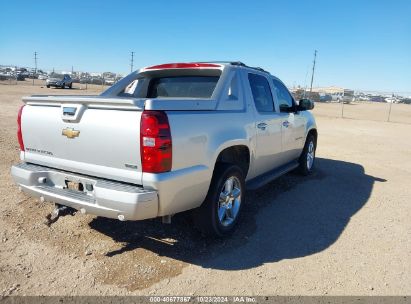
[100, 197]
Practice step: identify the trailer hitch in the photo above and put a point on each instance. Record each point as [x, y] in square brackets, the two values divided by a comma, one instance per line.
[58, 211]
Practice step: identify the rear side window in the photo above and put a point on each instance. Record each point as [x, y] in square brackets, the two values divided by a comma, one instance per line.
[182, 86]
[262, 96]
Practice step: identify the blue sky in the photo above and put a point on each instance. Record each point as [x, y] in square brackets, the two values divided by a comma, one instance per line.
[361, 44]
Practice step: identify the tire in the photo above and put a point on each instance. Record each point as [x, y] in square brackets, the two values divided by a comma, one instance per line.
[307, 158]
[48, 86]
[63, 86]
[70, 86]
[216, 217]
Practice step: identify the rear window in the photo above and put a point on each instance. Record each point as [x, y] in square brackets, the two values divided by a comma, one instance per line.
[182, 86]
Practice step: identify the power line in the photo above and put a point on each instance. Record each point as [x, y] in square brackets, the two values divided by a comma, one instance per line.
[132, 62]
[312, 75]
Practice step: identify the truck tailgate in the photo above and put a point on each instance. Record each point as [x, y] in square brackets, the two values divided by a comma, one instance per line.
[83, 137]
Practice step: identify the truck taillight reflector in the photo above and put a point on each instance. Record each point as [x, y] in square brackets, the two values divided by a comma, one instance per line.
[155, 142]
[19, 133]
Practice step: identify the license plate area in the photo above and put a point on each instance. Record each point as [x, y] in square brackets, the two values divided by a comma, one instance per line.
[79, 185]
[74, 185]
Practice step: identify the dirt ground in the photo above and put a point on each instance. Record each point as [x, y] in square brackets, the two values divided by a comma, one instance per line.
[346, 230]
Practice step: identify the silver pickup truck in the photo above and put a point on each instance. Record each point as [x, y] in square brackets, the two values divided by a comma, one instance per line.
[166, 139]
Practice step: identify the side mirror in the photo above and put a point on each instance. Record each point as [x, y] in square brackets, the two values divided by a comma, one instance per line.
[286, 109]
[305, 104]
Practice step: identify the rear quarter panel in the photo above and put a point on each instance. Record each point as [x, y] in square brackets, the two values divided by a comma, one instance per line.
[198, 138]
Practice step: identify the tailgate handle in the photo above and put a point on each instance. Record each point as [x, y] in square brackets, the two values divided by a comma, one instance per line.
[69, 111]
[72, 112]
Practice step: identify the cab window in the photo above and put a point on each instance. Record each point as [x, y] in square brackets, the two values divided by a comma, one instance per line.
[261, 91]
[284, 98]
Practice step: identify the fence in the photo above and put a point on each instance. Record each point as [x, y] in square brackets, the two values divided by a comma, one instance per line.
[42, 83]
[378, 111]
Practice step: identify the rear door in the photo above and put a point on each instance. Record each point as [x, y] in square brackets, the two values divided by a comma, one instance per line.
[293, 123]
[268, 126]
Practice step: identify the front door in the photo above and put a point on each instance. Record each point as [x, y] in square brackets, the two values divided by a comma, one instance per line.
[293, 123]
[268, 124]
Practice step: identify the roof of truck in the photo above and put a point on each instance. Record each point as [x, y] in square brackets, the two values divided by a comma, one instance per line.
[201, 65]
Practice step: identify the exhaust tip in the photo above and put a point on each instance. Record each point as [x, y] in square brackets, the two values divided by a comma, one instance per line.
[121, 217]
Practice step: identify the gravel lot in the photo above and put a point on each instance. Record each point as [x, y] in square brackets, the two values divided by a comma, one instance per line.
[346, 230]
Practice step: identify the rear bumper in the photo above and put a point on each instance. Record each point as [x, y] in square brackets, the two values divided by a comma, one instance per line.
[103, 198]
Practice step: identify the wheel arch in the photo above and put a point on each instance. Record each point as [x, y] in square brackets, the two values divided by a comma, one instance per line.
[314, 132]
[238, 154]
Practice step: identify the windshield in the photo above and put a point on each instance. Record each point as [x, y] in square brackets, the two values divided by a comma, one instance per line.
[182, 86]
[55, 75]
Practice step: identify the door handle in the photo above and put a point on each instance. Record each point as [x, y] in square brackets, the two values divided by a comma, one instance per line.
[262, 126]
[286, 123]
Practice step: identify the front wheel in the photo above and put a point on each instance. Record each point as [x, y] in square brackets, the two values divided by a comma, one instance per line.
[307, 158]
[219, 213]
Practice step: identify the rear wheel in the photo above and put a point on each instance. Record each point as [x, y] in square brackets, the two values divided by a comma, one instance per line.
[63, 85]
[307, 158]
[70, 86]
[47, 86]
[219, 213]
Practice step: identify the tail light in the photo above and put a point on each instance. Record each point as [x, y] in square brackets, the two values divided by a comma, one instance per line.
[19, 133]
[155, 142]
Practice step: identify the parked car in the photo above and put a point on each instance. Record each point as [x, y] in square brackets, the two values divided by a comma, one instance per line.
[20, 77]
[326, 98]
[377, 99]
[406, 100]
[42, 77]
[163, 140]
[96, 80]
[59, 81]
[348, 96]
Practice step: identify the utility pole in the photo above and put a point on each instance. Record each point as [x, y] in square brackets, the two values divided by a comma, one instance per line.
[312, 75]
[35, 62]
[132, 62]
[389, 112]
[35, 65]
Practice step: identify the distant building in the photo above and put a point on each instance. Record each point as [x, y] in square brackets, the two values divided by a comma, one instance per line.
[329, 90]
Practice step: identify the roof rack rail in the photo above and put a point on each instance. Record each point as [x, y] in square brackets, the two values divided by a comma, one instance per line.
[238, 63]
[259, 69]
[223, 62]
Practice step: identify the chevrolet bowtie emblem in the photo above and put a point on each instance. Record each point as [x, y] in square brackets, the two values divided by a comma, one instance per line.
[70, 132]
